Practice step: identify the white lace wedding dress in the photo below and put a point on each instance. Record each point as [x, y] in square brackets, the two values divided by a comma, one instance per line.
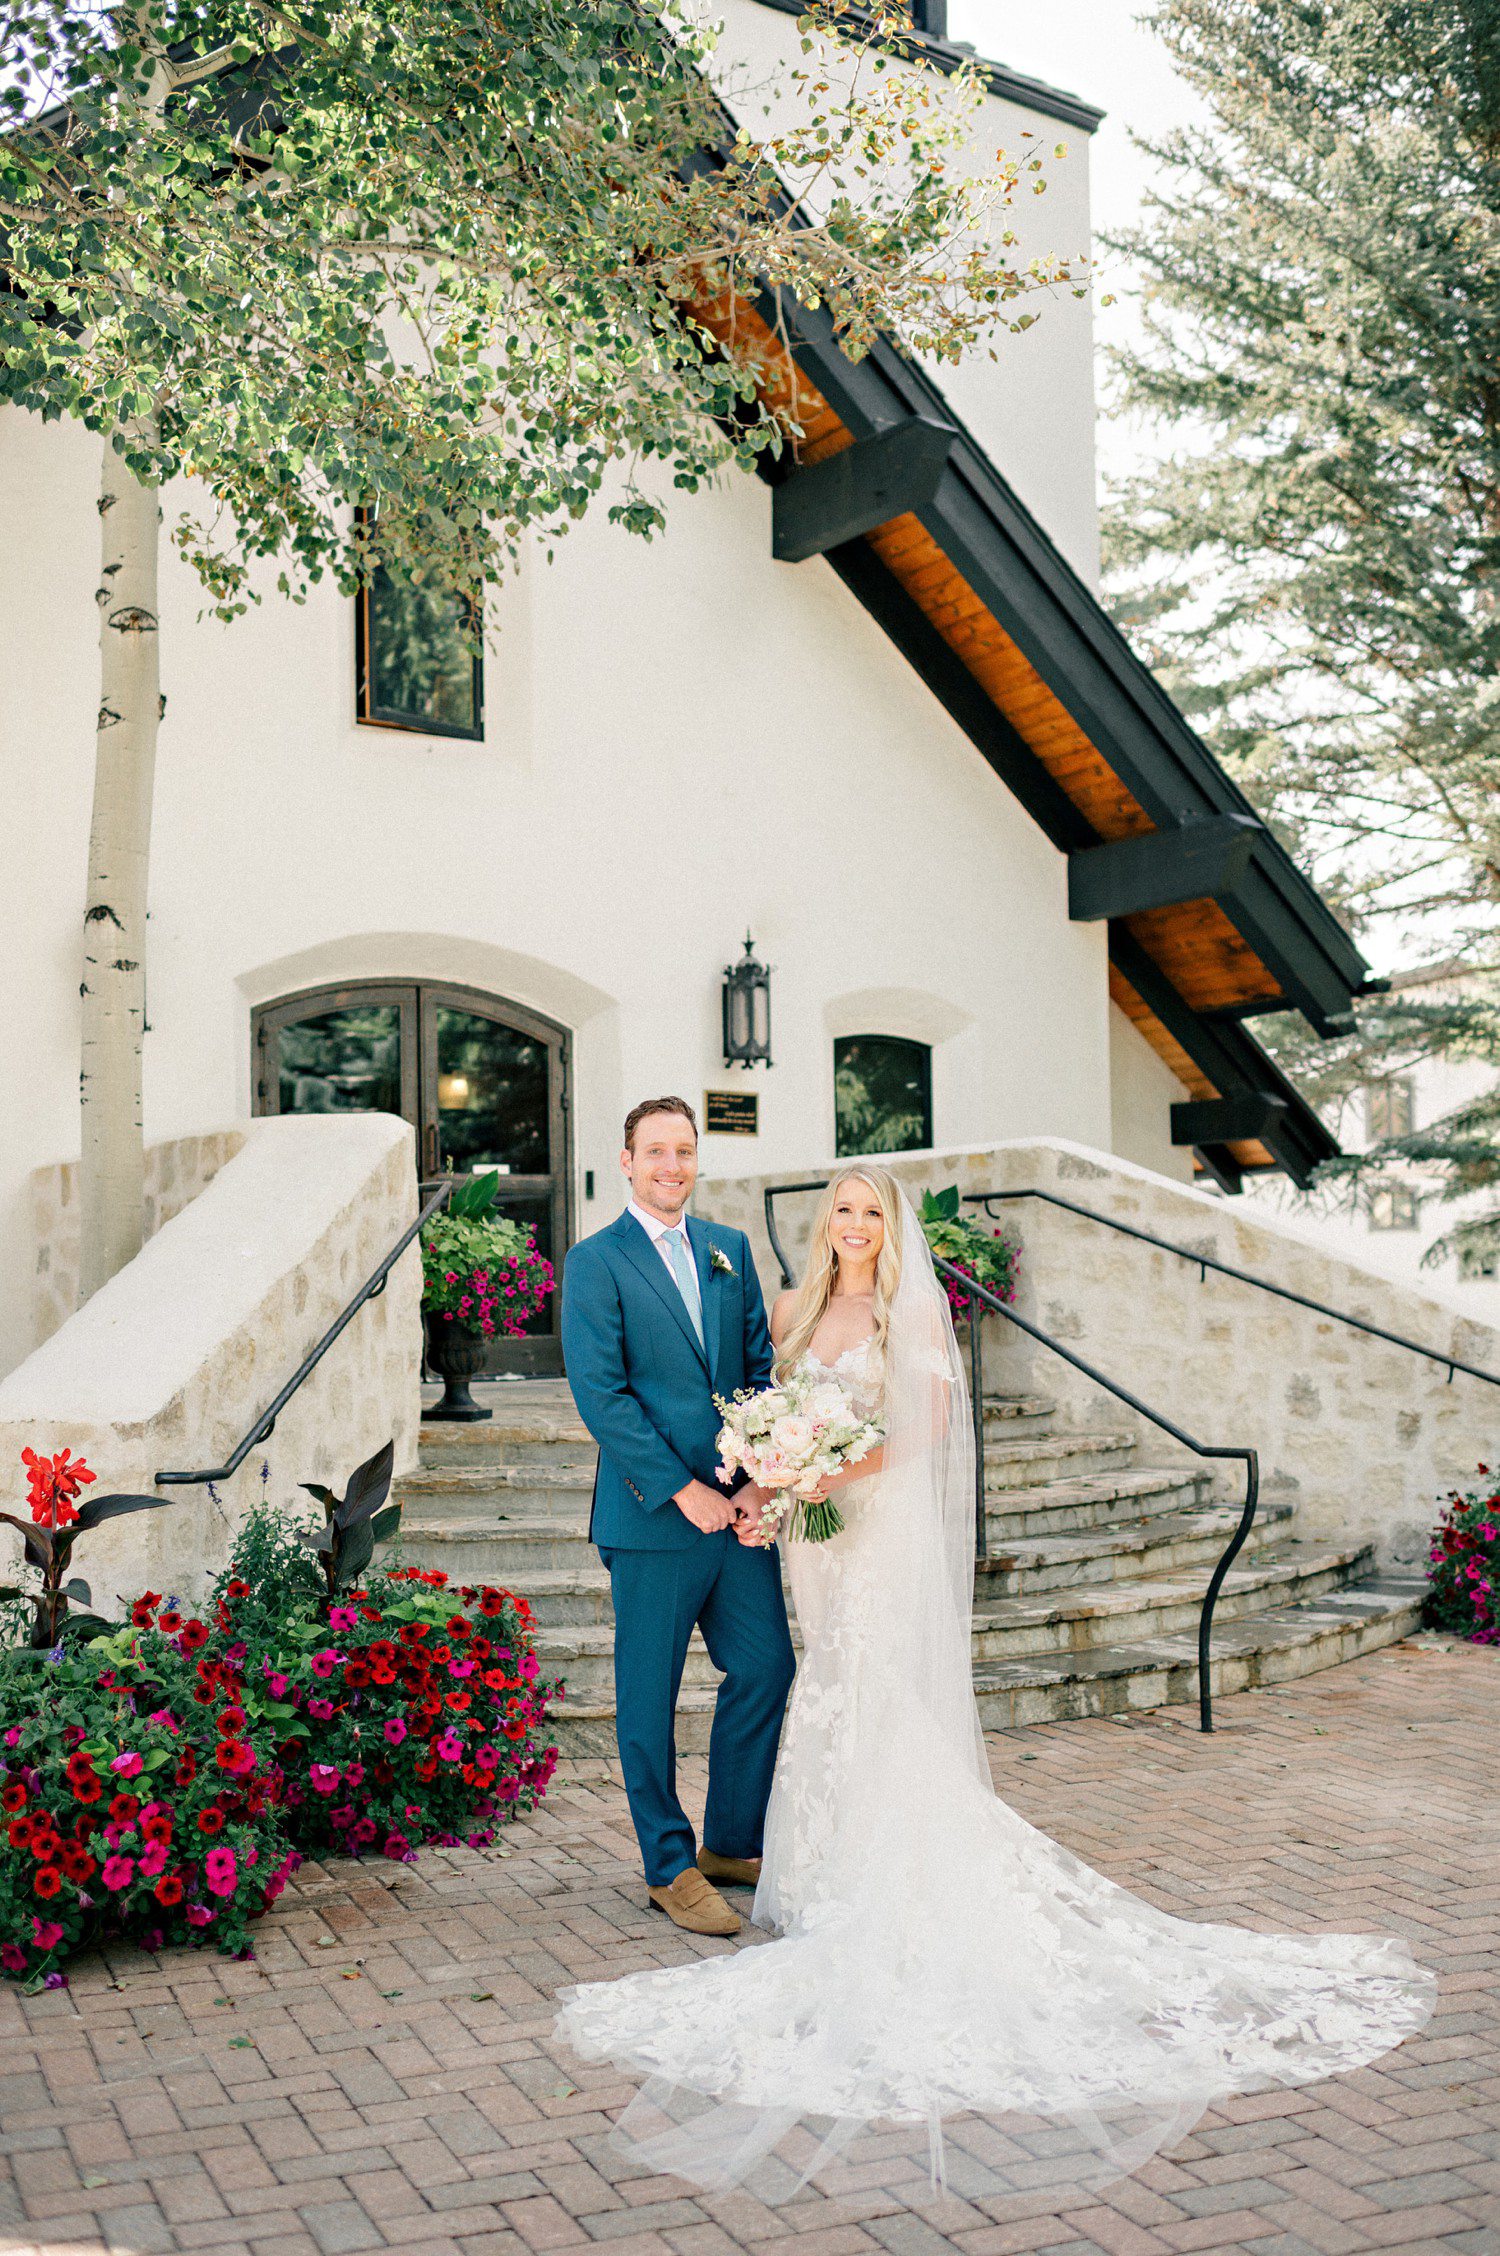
[952, 1997]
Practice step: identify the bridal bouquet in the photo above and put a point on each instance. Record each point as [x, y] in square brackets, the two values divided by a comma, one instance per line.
[790, 1438]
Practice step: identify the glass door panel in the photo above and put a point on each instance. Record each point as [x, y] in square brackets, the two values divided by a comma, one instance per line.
[492, 1095]
[342, 1061]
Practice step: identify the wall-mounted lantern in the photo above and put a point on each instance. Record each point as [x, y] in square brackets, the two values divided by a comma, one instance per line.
[747, 1010]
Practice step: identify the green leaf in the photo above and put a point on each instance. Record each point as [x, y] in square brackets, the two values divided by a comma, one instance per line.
[98, 1509]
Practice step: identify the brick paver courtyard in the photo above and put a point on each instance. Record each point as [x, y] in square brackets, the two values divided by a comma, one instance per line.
[383, 2076]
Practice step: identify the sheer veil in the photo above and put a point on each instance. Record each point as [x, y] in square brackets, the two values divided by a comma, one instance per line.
[952, 1998]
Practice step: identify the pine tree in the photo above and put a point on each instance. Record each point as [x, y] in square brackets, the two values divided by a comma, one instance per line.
[1314, 568]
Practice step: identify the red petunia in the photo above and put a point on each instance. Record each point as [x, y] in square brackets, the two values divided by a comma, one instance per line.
[19, 1832]
[187, 1767]
[194, 1634]
[237, 1589]
[123, 1808]
[13, 1797]
[211, 1820]
[231, 1723]
[47, 1882]
[76, 1862]
[168, 1889]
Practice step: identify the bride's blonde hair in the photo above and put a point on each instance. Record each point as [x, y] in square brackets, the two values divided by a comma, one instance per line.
[816, 1289]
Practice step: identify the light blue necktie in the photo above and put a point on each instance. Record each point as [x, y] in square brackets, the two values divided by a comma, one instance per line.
[677, 1262]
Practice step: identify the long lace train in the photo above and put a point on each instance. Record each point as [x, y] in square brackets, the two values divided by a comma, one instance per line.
[953, 1997]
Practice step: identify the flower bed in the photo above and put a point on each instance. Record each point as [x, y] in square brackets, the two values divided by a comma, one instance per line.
[480, 1272]
[988, 1256]
[159, 1784]
[1465, 1565]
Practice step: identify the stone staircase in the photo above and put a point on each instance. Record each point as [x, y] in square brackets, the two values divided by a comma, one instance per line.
[1086, 1605]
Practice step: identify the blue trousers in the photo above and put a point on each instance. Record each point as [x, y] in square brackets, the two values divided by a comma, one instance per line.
[732, 1591]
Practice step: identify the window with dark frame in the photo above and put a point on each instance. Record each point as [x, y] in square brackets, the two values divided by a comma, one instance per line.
[882, 1094]
[1390, 1108]
[1394, 1206]
[418, 664]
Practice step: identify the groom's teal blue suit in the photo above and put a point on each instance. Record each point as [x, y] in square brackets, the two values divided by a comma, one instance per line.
[644, 1384]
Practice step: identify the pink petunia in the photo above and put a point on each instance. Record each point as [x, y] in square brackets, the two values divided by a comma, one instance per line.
[322, 1777]
[129, 1765]
[394, 1728]
[153, 1860]
[325, 1662]
[200, 1915]
[118, 1872]
[448, 1747]
[221, 1871]
[343, 1617]
[12, 1958]
[320, 1710]
[47, 1934]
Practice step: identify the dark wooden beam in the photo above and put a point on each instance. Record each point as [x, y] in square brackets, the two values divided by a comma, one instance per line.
[1196, 861]
[849, 494]
[1222, 1165]
[1245, 1119]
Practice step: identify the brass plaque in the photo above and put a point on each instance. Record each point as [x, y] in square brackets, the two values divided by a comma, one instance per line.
[731, 1112]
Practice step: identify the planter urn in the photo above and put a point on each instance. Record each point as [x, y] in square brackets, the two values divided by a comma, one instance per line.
[457, 1355]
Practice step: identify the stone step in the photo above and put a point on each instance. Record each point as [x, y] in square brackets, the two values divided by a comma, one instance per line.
[1259, 1649]
[1083, 1501]
[1160, 1605]
[1262, 1649]
[1023, 1460]
[1017, 1629]
[479, 1546]
[1168, 1544]
[553, 1434]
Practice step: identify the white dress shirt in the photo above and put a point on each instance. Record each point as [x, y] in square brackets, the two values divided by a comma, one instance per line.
[657, 1230]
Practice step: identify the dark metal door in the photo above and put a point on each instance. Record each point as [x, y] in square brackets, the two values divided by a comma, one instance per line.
[483, 1082]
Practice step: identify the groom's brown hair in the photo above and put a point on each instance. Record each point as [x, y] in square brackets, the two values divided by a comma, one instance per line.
[638, 1113]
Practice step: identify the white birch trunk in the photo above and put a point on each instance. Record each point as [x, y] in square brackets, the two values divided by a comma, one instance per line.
[112, 1177]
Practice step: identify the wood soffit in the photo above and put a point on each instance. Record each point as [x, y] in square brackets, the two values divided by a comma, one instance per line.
[1193, 943]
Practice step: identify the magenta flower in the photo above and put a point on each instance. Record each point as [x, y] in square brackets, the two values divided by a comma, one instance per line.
[165, 1718]
[324, 1663]
[153, 1860]
[200, 1915]
[342, 1617]
[129, 1765]
[449, 1747]
[322, 1777]
[47, 1934]
[221, 1871]
[118, 1872]
[12, 1957]
[394, 1728]
[279, 1685]
[320, 1710]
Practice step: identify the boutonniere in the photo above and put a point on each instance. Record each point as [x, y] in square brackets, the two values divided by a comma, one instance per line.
[719, 1259]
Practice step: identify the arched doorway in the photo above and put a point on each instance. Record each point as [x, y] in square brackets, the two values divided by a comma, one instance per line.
[483, 1082]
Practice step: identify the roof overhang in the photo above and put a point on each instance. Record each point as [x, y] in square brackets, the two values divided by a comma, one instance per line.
[1210, 921]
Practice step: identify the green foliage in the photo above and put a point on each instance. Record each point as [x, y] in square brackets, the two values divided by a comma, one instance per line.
[355, 1522]
[1313, 568]
[480, 1271]
[328, 257]
[987, 1256]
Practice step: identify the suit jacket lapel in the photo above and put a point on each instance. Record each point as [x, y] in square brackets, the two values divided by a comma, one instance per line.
[708, 1291]
[637, 1245]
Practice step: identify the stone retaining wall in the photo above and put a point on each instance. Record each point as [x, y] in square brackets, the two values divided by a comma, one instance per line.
[170, 1362]
[175, 1173]
[1362, 1436]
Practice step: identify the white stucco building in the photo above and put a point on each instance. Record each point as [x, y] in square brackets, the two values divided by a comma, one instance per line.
[1002, 889]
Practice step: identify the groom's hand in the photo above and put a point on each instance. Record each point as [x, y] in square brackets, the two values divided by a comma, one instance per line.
[708, 1508]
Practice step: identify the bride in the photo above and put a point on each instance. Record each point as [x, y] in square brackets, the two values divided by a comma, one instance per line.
[951, 1998]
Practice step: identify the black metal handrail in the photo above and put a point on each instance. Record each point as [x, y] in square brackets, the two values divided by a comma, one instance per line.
[265, 1425]
[973, 1290]
[1206, 1261]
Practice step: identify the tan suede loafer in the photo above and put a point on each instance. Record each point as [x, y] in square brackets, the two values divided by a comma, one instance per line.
[732, 1872]
[691, 1903]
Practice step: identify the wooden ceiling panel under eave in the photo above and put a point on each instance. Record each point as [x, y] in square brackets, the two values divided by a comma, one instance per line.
[1193, 943]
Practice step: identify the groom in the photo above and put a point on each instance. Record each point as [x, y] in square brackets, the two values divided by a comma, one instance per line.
[660, 1313]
